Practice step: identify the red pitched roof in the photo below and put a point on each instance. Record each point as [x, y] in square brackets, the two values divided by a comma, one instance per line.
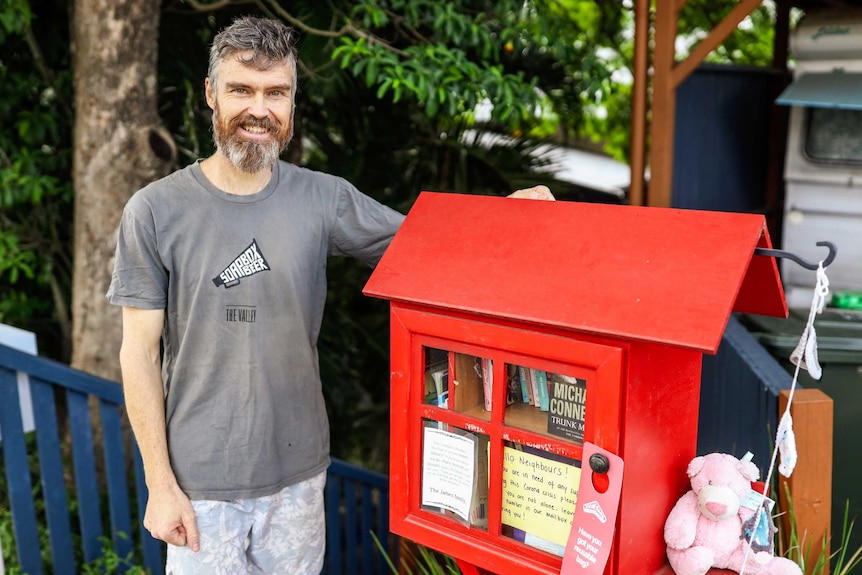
[656, 274]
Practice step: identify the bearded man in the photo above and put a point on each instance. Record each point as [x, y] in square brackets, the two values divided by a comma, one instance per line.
[221, 273]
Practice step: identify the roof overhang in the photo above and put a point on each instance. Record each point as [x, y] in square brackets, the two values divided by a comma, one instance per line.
[836, 89]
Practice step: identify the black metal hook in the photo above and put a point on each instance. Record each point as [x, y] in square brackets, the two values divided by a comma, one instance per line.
[807, 265]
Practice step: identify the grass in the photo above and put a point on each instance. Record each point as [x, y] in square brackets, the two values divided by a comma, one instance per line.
[842, 561]
[422, 559]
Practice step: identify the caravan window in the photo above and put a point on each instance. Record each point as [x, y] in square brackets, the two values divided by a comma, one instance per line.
[834, 135]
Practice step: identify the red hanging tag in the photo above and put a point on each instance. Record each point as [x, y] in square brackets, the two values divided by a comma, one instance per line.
[589, 545]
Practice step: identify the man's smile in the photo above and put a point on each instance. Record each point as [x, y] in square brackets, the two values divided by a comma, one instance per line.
[253, 132]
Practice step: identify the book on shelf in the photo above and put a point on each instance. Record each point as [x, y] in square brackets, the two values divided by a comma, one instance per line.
[513, 386]
[441, 386]
[532, 540]
[522, 378]
[567, 407]
[534, 386]
[437, 384]
[487, 381]
[479, 507]
[540, 382]
[531, 390]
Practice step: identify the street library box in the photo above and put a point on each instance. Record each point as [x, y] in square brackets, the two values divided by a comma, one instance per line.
[521, 329]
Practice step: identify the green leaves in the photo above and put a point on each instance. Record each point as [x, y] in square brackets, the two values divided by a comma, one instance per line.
[36, 196]
[371, 15]
[13, 260]
[15, 17]
[442, 55]
[444, 81]
[22, 182]
[750, 44]
[447, 57]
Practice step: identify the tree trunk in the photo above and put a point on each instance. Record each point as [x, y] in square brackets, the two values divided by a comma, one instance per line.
[119, 146]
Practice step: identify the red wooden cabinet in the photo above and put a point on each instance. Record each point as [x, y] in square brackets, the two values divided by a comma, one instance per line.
[603, 310]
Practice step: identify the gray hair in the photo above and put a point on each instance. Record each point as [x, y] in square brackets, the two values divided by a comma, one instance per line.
[270, 42]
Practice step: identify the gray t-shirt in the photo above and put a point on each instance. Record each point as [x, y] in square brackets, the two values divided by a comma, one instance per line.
[242, 280]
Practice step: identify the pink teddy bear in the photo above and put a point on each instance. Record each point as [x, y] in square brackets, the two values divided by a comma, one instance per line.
[708, 527]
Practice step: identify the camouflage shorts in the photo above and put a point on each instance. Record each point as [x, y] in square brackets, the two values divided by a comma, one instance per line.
[282, 533]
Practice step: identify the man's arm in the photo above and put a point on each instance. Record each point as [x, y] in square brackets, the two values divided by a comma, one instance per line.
[169, 515]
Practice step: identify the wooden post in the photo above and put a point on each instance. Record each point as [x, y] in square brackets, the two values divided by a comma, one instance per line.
[640, 89]
[810, 484]
[778, 119]
[663, 118]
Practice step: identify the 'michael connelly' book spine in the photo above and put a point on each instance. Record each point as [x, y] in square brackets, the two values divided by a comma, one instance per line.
[567, 407]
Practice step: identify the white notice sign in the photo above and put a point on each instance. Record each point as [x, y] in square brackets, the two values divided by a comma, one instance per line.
[22, 341]
[448, 470]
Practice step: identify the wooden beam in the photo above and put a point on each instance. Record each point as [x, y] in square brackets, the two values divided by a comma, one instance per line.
[810, 484]
[663, 117]
[637, 180]
[781, 40]
[716, 36]
[778, 119]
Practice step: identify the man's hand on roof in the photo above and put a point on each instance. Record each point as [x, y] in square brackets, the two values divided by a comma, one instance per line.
[534, 193]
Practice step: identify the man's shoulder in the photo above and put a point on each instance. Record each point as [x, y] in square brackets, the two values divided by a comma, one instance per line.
[301, 173]
[178, 179]
[164, 189]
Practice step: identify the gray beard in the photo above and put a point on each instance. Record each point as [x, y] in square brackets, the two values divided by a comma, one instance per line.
[251, 157]
[246, 155]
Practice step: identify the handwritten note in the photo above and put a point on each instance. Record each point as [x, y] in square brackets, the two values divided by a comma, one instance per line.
[539, 494]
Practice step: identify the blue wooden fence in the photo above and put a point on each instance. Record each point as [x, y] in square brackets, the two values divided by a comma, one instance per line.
[739, 392]
[111, 504]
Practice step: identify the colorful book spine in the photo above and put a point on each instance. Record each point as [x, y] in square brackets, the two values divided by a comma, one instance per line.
[541, 381]
[513, 387]
[522, 375]
[479, 509]
[567, 414]
[487, 381]
[531, 374]
[441, 384]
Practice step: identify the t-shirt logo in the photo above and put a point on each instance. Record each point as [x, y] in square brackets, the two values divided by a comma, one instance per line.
[248, 263]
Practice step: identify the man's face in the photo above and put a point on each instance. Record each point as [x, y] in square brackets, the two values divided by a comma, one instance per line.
[252, 113]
